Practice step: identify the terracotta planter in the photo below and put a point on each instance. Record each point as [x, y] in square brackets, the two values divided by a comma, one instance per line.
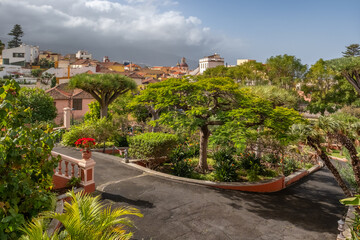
[86, 154]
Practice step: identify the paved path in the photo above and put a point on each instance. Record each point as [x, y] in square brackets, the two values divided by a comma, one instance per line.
[172, 210]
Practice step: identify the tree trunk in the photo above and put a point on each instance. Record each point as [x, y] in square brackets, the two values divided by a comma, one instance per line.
[204, 139]
[317, 147]
[103, 110]
[355, 161]
[155, 116]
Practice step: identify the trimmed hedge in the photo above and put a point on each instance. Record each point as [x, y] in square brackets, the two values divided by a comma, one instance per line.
[152, 147]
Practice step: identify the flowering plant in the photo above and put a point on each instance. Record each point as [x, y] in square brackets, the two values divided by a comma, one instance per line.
[85, 143]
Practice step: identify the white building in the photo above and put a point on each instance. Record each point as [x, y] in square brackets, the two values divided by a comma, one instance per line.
[20, 56]
[82, 54]
[210, 62]
[242, 61]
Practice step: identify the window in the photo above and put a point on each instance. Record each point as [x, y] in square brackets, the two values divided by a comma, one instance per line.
[77, 104]
[19, 55]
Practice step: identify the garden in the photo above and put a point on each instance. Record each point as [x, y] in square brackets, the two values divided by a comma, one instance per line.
[223, 126]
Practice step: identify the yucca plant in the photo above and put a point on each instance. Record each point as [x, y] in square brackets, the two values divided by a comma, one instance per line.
[84, 218]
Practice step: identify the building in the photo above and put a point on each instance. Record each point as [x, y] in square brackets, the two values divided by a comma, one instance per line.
[242, 61]
[210, 62]
[21, 56]
[48, 55]
[76, 99]
[82, 54]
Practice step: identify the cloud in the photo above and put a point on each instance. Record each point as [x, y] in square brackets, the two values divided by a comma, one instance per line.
[146, 27]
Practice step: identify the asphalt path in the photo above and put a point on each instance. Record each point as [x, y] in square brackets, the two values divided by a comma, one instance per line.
[309, 209]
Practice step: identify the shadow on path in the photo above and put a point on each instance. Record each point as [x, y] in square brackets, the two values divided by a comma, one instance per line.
[121, 199]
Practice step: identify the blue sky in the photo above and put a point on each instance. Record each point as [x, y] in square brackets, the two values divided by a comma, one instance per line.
[308, 29]
[160, 32]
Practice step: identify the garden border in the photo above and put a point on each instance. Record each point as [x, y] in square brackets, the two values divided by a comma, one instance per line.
[274, 185]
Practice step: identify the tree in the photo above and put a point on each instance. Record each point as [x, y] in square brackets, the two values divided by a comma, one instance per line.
[84, 218]
[105, 88]
[2, 46]
[36, 72]
[39, 102]
[353, 50]
[285, 71]
[26, 164]
[45, 63]
[17, 33]
[339, 126]
[249, 73]
[349, 68]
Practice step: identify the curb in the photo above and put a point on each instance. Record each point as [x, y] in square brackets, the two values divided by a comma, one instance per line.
[274, 185]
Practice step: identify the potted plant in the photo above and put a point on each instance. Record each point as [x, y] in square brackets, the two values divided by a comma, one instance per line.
[85, 144]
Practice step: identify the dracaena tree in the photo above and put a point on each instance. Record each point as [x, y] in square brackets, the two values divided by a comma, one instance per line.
[105, 88]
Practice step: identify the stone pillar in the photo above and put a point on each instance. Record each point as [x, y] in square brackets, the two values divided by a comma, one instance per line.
[87, 174]
[67, 115]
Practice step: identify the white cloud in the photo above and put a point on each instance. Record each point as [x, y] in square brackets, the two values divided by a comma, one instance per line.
[149, 25]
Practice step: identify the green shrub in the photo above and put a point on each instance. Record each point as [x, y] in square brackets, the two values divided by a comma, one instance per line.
[183, 168]
[120, 140]
[289, 166]
[26, 164]
[76, 132]
[247, 160]
[151, 147]
[225, 166]
[254, 172]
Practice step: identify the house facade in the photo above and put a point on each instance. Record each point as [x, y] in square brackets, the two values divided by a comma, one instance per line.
[210, 62]
[20, 56]
[75, 99]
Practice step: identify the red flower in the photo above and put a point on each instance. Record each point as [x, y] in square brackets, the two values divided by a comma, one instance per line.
[85, 143]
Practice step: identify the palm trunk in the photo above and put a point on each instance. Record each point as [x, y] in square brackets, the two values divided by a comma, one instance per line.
[316, 146]
[355, 161]
[204, 139]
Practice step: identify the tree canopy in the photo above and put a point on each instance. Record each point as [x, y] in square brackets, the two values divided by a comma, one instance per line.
[285, 70]
[41, 104]
[17, 34]
[105, 88]
[352, 50]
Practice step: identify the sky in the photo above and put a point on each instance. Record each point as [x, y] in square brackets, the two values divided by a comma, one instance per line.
[161, 32]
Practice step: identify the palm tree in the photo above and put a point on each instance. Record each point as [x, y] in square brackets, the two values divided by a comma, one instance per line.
[345, 129]
[84, 218]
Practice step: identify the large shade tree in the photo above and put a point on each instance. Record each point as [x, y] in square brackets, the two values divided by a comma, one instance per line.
[285, 70]
[105, 88]
[201, 102]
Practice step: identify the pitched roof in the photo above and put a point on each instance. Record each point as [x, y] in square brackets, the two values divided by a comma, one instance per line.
[62, 91]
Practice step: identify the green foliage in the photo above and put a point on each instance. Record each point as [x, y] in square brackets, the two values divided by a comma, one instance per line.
[249, 73]
[105, 88]
[289, 165]
[94, 112]
[2, 46]
[285, 71]
[36, 72]
[152, 146]
[247, 160]
[53, 82]
[183, 167]
[225, 166]
[17, 33]
[85, 217]
[120, 140]
[74, 182]
[101, 130]
[347, 173]
[40, 103]
[45, 63]
[353, 50]
[26, 164]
